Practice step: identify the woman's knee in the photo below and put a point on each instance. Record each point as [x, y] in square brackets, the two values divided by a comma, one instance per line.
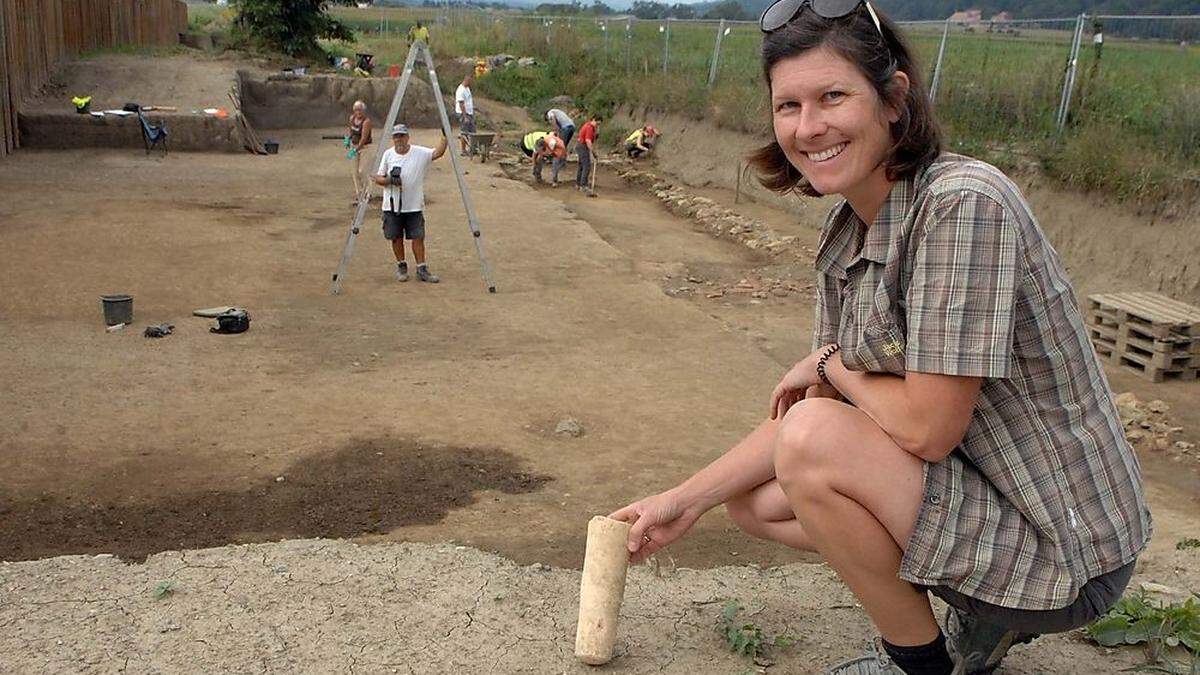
[802, 456]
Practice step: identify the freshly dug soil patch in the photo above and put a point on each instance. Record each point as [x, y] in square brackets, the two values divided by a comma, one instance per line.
[365, 487]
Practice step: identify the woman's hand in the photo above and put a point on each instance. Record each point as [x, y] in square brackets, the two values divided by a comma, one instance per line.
[796, 384]
[658, 521]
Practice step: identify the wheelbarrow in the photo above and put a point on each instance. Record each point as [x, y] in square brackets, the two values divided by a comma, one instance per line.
[481, 144]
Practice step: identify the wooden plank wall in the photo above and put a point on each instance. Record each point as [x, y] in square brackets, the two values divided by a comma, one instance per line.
[36, 35]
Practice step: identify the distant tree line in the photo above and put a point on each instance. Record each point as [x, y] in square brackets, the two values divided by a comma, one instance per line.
[1032, 9]
[726, 9]
[648, 9]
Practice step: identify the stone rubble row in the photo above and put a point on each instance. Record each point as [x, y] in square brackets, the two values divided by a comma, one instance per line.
[718, 220]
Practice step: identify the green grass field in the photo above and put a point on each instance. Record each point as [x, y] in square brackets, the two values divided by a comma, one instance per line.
[1134, 129]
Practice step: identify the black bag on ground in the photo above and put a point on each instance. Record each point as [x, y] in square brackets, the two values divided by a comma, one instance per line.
[236, 321]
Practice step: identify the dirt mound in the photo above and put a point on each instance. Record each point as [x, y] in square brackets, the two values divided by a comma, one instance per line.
[313, 101]
[187, 82]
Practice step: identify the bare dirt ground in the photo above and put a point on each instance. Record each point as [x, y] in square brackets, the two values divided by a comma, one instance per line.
[397, 413]
[187, 81]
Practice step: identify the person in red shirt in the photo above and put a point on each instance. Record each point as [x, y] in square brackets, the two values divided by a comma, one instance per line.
[586, 147]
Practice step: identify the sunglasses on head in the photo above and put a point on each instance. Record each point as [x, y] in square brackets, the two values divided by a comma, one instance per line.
[782, 11]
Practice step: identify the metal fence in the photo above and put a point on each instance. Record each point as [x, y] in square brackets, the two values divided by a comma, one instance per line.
[997, 82]
[35, 35]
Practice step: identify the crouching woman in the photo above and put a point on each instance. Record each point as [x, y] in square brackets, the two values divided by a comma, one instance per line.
[952, 431]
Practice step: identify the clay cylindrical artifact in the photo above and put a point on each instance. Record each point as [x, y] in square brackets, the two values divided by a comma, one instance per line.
[601, 589]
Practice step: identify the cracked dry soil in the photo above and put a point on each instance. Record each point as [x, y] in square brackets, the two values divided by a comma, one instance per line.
[337, 607]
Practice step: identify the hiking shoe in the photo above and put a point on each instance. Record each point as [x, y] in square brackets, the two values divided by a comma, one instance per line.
[976, 647]
[874, 662]
[402, 271]
[425, 275]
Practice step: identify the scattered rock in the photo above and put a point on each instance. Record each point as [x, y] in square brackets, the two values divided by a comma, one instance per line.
[279, 479]
[569, 426]
[499, 60]
[1165, 592]
[1149, 429]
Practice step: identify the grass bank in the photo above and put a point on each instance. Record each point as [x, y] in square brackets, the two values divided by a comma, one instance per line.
[1134, 130]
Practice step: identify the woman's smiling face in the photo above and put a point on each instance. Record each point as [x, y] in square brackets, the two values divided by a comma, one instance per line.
[829, 120]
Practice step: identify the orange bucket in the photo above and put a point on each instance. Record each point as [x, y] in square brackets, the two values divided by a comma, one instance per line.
[394, 70]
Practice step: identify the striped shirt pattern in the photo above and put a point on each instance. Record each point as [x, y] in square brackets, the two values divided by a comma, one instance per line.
[956, 277]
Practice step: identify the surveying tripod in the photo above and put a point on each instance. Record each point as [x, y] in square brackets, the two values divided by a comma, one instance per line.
[418, 48]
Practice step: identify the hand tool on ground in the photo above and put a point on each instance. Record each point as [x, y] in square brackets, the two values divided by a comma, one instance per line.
[601, 589]
[595, 167]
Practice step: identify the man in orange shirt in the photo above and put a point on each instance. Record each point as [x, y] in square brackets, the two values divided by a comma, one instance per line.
[549, 149]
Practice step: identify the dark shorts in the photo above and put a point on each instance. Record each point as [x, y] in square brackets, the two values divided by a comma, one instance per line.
[466, 123]
[1095, 598]
[407, 225]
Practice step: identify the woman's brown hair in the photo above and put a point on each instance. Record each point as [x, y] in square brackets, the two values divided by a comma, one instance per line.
[917, 141]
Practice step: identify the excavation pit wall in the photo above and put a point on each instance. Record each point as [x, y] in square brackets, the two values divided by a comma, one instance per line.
[185, 131]
[319, 101]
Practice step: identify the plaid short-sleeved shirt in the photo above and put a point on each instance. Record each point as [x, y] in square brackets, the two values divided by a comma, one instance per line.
[956, 277]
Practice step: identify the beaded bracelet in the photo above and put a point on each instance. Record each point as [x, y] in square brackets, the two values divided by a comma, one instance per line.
[824, 359]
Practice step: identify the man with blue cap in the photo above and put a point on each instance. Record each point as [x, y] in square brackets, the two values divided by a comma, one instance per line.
[402, 175]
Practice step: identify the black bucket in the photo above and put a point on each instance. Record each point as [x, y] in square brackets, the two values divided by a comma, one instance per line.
[118, 308]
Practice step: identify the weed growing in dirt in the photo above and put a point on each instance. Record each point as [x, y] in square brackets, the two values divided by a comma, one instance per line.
[1161, 626]
[744, 637]
[1185, 544]
[164, 588]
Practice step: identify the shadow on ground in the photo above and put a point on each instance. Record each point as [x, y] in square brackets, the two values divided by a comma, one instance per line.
[366, 487]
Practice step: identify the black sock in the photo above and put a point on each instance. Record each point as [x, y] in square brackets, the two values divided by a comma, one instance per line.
[930, 659]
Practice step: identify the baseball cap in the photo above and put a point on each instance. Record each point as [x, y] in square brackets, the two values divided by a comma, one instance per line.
[400, 129]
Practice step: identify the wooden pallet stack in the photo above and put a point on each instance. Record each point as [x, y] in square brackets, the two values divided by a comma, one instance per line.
[1148, 333]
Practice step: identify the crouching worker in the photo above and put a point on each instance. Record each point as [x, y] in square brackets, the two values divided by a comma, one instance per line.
[641, 141]
[402, 175]
[952, 431]
[550, 149]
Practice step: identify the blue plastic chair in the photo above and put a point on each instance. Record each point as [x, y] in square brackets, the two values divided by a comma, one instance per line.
[153, 134]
